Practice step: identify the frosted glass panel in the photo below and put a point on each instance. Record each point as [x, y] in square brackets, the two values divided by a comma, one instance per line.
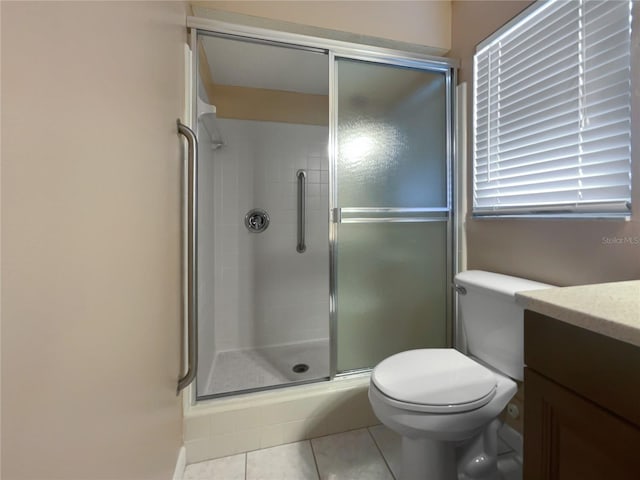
[391, 136]
[391, 290]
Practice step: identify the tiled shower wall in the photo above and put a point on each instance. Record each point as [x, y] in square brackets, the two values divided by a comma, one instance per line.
[263, 291]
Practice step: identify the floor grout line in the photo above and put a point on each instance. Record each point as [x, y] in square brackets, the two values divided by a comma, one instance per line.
[315, 460]
[381, 454]
[506, 455]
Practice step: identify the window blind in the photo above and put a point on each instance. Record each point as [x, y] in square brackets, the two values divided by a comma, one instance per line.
[552, 111]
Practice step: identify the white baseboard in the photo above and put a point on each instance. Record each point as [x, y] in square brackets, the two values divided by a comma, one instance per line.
[181, 464]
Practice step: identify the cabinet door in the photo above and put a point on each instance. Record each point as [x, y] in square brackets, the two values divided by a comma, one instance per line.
[570, 438]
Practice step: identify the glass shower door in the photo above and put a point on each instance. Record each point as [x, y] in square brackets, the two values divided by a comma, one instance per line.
[263, 301]
[391, 211]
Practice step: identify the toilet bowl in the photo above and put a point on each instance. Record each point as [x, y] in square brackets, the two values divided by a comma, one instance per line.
[444, 404]
[434, 422]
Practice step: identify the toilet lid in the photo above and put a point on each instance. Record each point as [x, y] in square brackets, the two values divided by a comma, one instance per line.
[440, 377]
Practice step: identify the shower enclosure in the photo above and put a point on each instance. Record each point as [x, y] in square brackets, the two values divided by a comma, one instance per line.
[324, 229]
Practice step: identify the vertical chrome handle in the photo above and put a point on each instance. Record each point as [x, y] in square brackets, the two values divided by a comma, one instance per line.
[192, 271]
[302, 206]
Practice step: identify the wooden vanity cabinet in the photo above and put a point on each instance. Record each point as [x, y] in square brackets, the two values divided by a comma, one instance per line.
[582, 403]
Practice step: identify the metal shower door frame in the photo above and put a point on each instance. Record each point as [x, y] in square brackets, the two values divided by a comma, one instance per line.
[353, 51]
[337, 215]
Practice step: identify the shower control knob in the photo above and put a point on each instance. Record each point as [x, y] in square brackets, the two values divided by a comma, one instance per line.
[256, 220]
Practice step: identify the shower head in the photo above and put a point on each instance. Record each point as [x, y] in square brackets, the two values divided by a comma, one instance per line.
[208, 121]
[207, 116]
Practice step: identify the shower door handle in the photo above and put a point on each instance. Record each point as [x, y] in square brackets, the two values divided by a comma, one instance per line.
[302, 207]
[192, 271]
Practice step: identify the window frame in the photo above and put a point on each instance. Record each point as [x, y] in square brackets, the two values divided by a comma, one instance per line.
[574, 210]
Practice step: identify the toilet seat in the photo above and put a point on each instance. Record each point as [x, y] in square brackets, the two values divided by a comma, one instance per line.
[439, 380]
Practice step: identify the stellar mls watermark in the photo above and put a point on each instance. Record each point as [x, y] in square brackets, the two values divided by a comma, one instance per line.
[630, 240]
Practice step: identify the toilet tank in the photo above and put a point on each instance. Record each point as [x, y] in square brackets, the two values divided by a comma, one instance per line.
[492, 321]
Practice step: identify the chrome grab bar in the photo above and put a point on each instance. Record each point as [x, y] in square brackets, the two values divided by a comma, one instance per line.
[302, 206]
[192, 272]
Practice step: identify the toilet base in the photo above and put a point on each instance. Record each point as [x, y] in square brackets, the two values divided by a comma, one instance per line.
[478, 459]
[427, 459]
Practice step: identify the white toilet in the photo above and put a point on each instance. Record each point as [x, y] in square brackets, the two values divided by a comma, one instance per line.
[445, 404]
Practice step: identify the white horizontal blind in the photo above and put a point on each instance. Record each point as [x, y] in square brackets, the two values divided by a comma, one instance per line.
[552, 111]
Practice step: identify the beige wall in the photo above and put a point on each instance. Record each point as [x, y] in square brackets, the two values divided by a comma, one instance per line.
[419, 22]
[263, 104]
[561, 252]
[269, 105]
[91, 239]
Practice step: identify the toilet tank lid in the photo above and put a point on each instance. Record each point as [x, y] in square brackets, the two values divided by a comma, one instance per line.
[497, 282]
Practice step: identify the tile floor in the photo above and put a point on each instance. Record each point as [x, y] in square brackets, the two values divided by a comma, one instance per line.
[369, 454]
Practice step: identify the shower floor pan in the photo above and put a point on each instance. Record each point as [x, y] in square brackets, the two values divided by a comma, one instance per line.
[257, 368]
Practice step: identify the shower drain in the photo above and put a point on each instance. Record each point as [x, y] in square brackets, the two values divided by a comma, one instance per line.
[300, 368]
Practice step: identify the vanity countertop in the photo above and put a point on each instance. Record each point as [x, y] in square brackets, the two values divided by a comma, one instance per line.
[611, 309]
